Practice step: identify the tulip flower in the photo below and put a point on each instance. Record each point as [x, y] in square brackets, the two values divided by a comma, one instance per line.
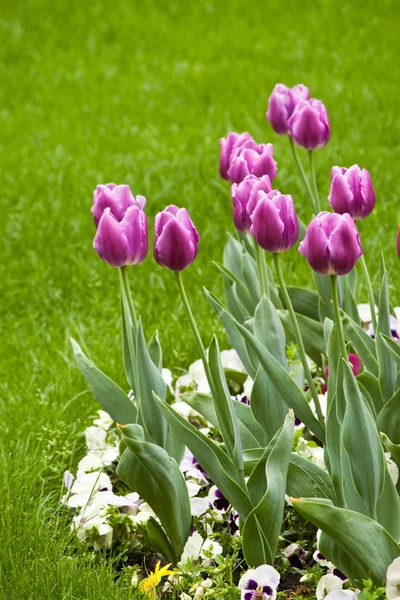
[252, 159]
[274, 222]
[352, 192]
[331, 244]
[175, 238]
[233, 140]
[116, 197]
[124, 242]
[309, 124]
[244, 198]
[282, 103]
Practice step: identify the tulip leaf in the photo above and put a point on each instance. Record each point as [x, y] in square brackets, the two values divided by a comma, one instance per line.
[268, 512]
[358, 535]
[394, 449]
[304, 301]
[362, 343]
[362, 445]
[252, 435]
[110, 396]
[388, 420]
[159, 482]
[234, 337]
[150, 380]
[215, 462]
[241, 290]
[392, 346]
[312, 333]
[284, 384]
[156, 536]
[155, 350]
[306, 479]
[233, 303]
[343, 561]
[387, 366]
[267, 405]
[223, 404]
[371, 390]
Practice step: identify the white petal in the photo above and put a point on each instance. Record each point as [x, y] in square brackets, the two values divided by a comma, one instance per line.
[267, 575]
[340, 595]
[328, 583]
[364, 312]
[192, 547]
[193, 488]
[393, 573]
[198, 506]
[230, 360]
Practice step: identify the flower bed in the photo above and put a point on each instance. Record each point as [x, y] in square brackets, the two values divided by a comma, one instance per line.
[272, 467]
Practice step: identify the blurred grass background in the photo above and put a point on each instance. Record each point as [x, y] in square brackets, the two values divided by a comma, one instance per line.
[140, 92]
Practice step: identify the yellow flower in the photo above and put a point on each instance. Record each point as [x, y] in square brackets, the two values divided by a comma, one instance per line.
[149, 584]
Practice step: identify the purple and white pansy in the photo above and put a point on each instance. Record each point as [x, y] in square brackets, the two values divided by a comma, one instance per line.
[259, 583]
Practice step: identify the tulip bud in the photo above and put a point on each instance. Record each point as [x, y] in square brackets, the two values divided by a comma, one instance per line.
[175, 238]
[252, 159]
[233, 140]
[122, 242]
[309, 124]
[274, 222]
[244, 198]
[331, 244]
[352, 192]
[116, 197]
[281, 105]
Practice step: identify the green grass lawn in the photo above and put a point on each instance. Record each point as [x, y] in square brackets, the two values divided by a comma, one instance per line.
[140, 92]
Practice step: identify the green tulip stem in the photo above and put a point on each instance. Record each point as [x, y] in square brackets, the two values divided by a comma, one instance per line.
[262, 268]
[338, 318]
[299, 339]
[194, 328]
[303, 175]
[314, 181]
[370, 292]
[126, 290]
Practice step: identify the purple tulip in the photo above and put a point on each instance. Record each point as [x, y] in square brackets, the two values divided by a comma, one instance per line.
[352, 192]
[175, 238]
[233, 140]
[252, 159]
[274, 222]
[309, 124]
[244, 198]
[282, 103]
[117, 197]
[124, 242]
[332, 244]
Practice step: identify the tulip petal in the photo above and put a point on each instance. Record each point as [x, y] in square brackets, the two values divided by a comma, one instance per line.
[340, 195]
[110, 242]
[134, 225]
[315, 248]
[174, 248]
[344, 246]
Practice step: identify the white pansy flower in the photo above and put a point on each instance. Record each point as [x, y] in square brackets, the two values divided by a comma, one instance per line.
[193, 488]
[167, 376]
[68, 479]
[183, 409]
[364, 312]
[328, 583]
[84, 487]
[323, 400]
[203, 385]
[230, 360]
[185, 596]
[104, 421]
[248, 387]
[198, 506]
[96, 438]
[192, 547]
[90, 462]
[393, 580]
[211, 546]
[190, 467]
[260, 583]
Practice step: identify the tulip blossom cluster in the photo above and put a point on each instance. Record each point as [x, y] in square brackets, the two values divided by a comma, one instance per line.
[292, 112]
[242, 156]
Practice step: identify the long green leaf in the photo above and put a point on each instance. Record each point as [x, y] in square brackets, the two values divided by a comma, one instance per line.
[215, 462]
[312, 333]
[284, 384]
[388, 420]
[358, 535]
[387, 366]
[159, 482]
[306, 479]
[110, 396]
[268, 513]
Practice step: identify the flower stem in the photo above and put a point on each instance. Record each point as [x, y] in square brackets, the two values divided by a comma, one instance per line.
[370, 292]
[194, 328]
[314, 181]
[299, 339]
[338, 319]
[262, 268]
[128, 295]
[303, 175]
